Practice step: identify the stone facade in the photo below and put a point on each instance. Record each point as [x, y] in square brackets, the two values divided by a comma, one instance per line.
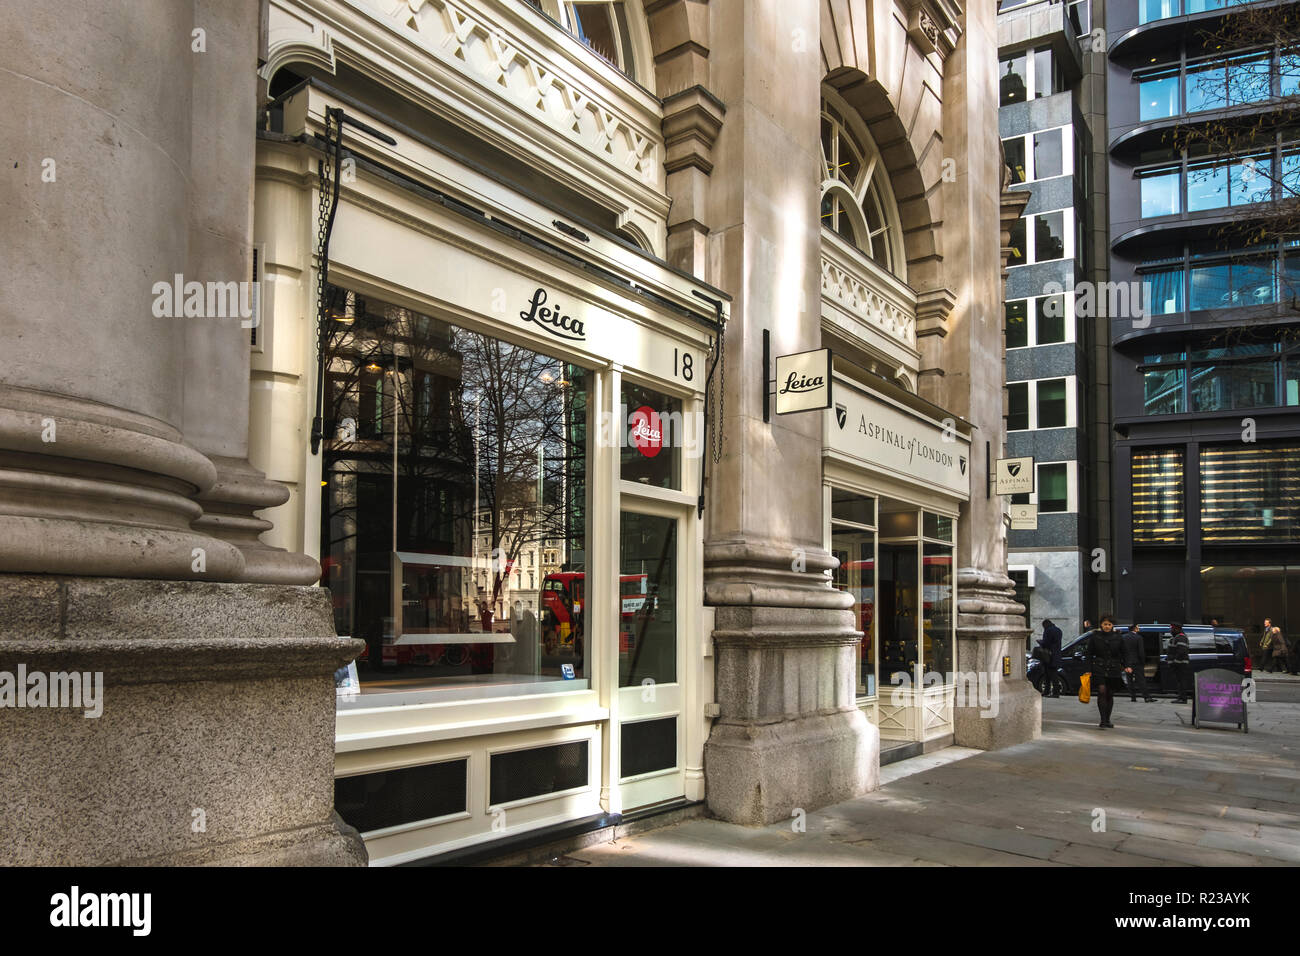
[714, 173]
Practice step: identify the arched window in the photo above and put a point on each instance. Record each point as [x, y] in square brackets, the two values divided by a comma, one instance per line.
[857, 202]
[608, 27]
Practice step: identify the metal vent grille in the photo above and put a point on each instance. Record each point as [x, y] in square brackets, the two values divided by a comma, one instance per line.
[521, 774]
[257, 274]
[373, 801]
[649, 745]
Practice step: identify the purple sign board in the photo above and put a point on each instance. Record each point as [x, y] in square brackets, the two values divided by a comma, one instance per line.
[1218, 699]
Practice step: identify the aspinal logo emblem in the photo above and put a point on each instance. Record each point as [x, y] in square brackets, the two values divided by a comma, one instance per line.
[1013, 469]
[646, 431]
[841, 415]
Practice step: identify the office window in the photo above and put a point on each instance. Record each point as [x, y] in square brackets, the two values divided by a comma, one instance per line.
[1017, 406]
[1157, 481]
[1250, 493]
[1152, 10]
[1049, 236]
[1160, 192]
[1162, 291]
[1051, 403]
[1017, 324]
[1158, 95]
[1018, 254]
[1080, 19]
[1053, 488]
[1014, 150]
[1049, 325]
[1163, 391]
[1249, 78]
[1235, 385]
[1044, 73]
[1013, 85]
[1047, 154]
[1250, 180]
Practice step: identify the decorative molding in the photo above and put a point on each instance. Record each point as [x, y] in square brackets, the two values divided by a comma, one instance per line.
[692, 121]
[893, 317]
[511, 78]
[932, 310]
[484, 51]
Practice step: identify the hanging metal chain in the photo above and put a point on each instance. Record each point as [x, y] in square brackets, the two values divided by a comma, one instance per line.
[328, 206]
[719, 398]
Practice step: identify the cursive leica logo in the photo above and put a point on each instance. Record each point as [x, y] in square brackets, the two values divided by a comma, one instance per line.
[647, 432]
[552, 320]
[796, 382]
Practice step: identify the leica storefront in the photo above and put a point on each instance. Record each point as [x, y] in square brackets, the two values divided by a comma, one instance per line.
[896, 470]
[504, 502]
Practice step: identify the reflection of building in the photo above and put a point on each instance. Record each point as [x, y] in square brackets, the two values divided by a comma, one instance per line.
[1207, 393]
[1053, 137]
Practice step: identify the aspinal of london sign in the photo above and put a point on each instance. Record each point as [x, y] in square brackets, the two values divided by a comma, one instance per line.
[882, 436]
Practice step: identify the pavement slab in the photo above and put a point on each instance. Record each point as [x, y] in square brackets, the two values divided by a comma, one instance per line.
[1172, 795]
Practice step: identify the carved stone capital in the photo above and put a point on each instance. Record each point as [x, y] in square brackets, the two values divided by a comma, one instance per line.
[932, 311]
[692, 121]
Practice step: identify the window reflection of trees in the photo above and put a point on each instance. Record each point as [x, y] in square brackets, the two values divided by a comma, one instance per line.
[420, 407]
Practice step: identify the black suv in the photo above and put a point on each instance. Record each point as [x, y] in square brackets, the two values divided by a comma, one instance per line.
[1210, 647]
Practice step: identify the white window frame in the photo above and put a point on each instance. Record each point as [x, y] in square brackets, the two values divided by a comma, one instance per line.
[1031, 68]
[1067, 153]
[1031, 321]
[1071, 402]
[1071, 486]
[1031, 237]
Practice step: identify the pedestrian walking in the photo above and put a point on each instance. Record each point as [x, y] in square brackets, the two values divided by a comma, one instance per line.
[1266, 645]
[1051, 645]
[1281, 651]
[1135, 662]
[1180, 662]
[1105, 659]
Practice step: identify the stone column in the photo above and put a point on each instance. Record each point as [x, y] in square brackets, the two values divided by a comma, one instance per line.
[214, 738]
[217, 350]
[989, 625]
[790, 734]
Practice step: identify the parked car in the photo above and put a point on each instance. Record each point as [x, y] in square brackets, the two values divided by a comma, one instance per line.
[1210, 647]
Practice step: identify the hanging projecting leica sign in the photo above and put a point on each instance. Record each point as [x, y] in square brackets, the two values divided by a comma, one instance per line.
[878, 434]
[803, 381]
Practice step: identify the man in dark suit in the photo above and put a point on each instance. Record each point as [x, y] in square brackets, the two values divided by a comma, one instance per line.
[1051, 643]
[1135, 664]
[1180, 662]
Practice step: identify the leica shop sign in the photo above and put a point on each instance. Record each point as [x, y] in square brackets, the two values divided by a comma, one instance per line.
[803, 381]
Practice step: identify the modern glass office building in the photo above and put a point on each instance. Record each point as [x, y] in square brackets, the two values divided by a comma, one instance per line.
[1207, 387]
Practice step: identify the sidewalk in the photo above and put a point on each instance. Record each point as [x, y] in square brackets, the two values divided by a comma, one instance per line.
[1168, 794]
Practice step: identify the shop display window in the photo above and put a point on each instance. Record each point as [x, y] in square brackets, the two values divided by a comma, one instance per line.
[937, 624]
[653, 434]
[853, 543]
[453, 503]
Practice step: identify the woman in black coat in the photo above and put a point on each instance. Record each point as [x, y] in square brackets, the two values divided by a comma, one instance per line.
[1105, 658]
